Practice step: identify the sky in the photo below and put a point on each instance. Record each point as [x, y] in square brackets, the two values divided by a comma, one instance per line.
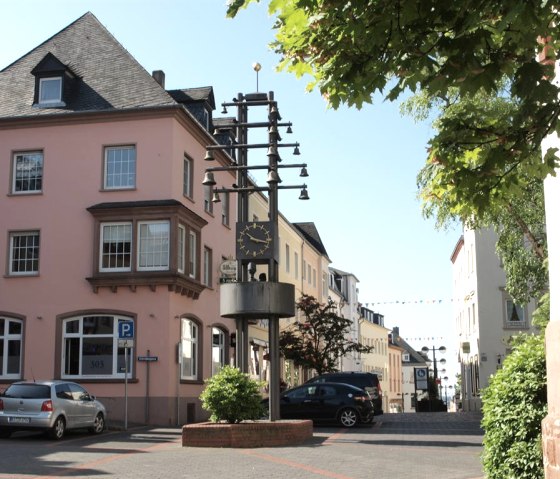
[362, 163]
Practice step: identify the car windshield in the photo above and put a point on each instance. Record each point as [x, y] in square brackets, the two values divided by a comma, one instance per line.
[28, 391]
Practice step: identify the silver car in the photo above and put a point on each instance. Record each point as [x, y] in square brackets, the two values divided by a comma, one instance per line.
[52, 406]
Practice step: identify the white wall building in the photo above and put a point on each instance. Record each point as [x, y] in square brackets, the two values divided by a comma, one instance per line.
[485, 315]
[343, 285]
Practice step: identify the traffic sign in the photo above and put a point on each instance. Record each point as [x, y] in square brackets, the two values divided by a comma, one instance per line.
[126, 343]
[126, 329]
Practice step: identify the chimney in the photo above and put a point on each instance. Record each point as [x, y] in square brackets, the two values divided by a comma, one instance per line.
[159, 76]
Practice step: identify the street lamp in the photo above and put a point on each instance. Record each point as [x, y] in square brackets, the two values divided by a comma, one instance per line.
[442, 350]
[256, 241]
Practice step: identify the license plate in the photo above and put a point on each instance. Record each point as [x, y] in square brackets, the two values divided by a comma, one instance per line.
[19, 420]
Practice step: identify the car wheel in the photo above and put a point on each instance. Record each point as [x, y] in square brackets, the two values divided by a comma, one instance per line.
[58, 429]
[98, 425]
[5, 433]
[348, 417]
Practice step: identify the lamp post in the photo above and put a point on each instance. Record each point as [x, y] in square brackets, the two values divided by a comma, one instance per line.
[256, 241]
[442, 350]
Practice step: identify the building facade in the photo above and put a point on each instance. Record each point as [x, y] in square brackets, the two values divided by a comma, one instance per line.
[486, 316]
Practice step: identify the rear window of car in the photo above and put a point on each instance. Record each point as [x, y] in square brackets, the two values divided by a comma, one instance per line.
[28, 391]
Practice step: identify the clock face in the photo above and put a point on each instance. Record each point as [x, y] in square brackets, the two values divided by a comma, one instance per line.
[254, 240]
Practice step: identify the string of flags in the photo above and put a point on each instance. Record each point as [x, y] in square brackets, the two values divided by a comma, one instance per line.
[415, 301]
[431, 338]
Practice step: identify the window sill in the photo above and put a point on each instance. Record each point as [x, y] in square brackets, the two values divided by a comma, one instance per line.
[175, 282]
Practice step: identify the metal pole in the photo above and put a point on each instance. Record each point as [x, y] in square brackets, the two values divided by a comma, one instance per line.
[274, 321]
[126, 388]
[147, 412]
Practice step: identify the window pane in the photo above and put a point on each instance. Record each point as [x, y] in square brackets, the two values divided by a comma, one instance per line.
[24, 253]
[50, 90]
[97, 356]
[120, 167]
[153, 248]
[98, 325]
[116, 247]
[72, 354]
[187, 177]
[181, 249]
[14, 327]
[28, 172]
[73, 326]
[14, 356]
[2, 322]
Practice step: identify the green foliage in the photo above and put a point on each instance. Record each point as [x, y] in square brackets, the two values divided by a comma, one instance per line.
[320, 339]
[457, 49]
[232, 396]
[514, 404]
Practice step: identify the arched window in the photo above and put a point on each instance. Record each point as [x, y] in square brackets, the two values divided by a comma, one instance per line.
[11, 338]
[91, 347]
[189, 349]
[218, 350]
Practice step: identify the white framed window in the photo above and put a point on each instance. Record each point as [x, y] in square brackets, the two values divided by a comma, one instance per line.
[325, 285]
[116, 247]
[208, 204]
[287, 258]
[11, 341]
[187, 176]
[189, 349]
[225, 209]
[207, 275]
[303, 270]
[24, 253]
[314, 278]
[153, 245]
[27, 176]
[91, 347]
[192, 254]
[308, 273]
[296, 265]
[181, 237]
[515, 315]
[218, 350]
[120, 167]
[50, 91]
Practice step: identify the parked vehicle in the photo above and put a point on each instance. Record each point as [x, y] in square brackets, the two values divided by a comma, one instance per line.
[327, 402]
[52, 406]
[366, 381]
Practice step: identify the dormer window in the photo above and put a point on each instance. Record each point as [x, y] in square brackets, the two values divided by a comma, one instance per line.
[54, 83]
[50, 90]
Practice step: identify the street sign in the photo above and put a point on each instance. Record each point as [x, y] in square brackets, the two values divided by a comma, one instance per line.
[126, 343]
[147, 358]
[126, 329]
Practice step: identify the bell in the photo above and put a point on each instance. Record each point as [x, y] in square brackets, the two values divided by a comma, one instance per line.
[303, 172]
[273, 177]
[216, 197]
[303, 195]
[209, 155]
[209, 179]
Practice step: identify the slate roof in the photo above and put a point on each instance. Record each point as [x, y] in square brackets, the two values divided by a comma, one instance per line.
[109, 76]
[310, 233]
[189, 95]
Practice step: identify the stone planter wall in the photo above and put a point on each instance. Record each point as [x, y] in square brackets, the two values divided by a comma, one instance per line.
[247, 434]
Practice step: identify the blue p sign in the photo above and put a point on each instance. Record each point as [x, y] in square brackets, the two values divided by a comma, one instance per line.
[126, 329]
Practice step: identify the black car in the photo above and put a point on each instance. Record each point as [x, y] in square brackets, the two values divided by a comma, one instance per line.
[367, 381]
[327, 402]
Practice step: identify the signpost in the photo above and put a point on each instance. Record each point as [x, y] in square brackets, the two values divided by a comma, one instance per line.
[126, 340]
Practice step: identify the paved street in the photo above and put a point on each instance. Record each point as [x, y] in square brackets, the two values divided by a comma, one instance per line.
[403, 446]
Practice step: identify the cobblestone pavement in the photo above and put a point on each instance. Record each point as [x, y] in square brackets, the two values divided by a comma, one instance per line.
[397, 446]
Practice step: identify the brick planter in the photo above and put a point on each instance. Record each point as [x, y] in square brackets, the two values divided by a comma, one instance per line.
[247, 434]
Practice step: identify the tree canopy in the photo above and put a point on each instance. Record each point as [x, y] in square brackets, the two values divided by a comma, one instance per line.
[320, 338]
[355, 49]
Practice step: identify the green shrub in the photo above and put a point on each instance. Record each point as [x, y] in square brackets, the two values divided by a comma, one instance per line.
[232, 396]
[514, 404]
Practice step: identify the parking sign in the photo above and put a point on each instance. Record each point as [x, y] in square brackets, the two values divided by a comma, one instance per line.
[126, 329]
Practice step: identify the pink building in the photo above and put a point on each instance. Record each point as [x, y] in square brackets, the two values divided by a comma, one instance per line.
[104, 219]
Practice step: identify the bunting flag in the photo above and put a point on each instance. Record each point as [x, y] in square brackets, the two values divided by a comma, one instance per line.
[412, 301]
[431, 338]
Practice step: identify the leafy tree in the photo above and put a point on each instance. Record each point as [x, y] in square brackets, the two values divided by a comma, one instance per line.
[518, 218]
[320, 339]
[358, 48]
[232, 396]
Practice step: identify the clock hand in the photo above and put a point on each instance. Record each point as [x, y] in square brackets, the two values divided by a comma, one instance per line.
[256, 240]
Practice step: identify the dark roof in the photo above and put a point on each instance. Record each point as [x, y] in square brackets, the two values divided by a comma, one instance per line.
[190, 95]
[134, 204]
[310, 233]
[108, 76]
